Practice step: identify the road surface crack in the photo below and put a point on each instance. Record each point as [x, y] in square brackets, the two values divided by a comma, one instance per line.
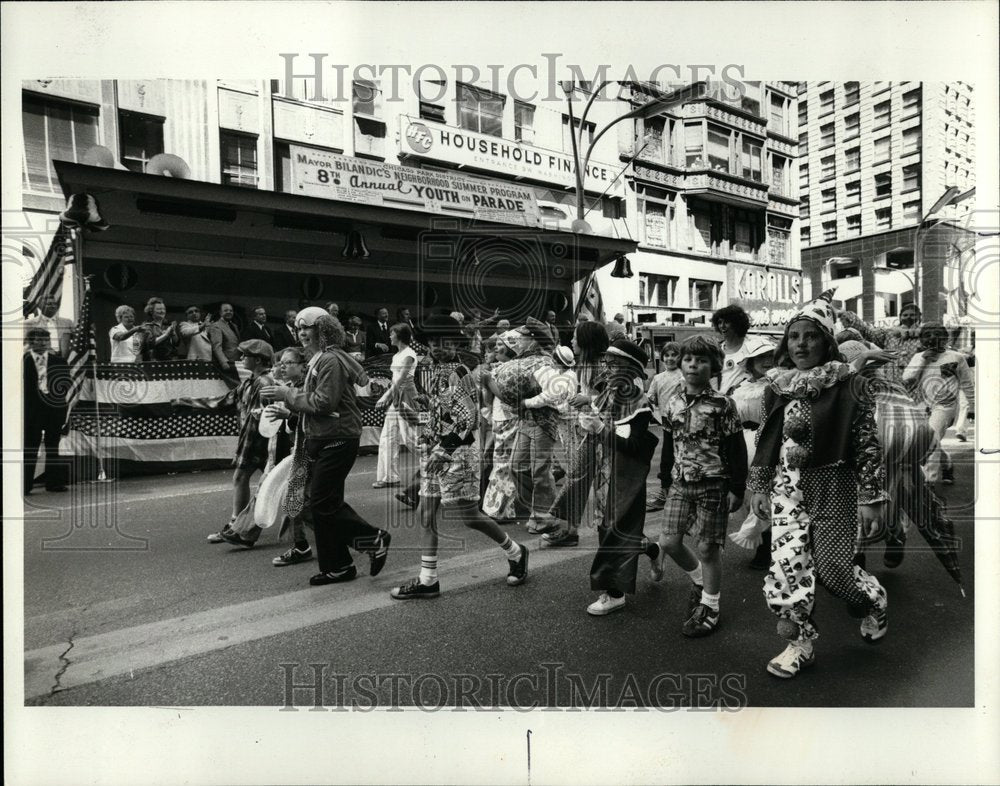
[56, 687]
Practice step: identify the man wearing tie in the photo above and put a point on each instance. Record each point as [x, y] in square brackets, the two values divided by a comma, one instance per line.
[46, 380]
[286, 336]
[258, 328]
[378, 335]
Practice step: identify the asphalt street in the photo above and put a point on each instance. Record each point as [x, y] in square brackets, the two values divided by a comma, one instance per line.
[126, 603]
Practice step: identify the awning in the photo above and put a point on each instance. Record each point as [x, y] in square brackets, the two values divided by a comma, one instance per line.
[191, 223]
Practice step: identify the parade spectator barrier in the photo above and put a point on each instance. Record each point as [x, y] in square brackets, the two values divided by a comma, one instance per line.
[178, 414]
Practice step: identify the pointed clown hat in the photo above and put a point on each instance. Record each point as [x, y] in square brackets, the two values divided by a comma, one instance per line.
[820, 311]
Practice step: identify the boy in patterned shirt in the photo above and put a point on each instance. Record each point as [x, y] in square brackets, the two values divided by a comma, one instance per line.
[705, 460]
[449, 461]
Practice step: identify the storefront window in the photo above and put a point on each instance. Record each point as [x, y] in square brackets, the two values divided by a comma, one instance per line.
[655, 290]
[54, 130]
[480, 111]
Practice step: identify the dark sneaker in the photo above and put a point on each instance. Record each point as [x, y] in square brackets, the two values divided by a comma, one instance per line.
[292, 557]
[657, 502]
[948, 476]
[518, 568]
[334, 576]
[762, 557]
[380, 552]
[407, 500]
[894, 552]
[216, 537]
[554, 540]
[961, 437]
[415, 590]
[236, 540]
[702, 622]
[694, 598]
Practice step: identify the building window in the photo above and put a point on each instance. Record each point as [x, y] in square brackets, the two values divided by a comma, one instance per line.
[366, 98]
[141, 139]
[827, 135]
[911, 211]
[880, 87]
[853, 192]
[826, 102]
[852, 126]
[883, 218]
[828, 167]
[804, 208]
[694, 145]
[803, 112]
[751, 159]
[829, 230]
[524, 123]
[911, 103]
[777, 245]
[883, 114]
[701, 230]
[803, 143]
[883, 185]
[239, 159]
[53, 130]
[744, 243]
[429, 110]
[479, 110]
[656, 213]
[657, 290]
[778, 120]
[803, 177]
[853, 226]
[718, 148]
[883, 149]
[852, 92]
[779, 174]
[651, 147]
[852, 159]
[804, 235]
[829, 196]
[911, 140]
[704, 294]
[588, 134]
[911, 177]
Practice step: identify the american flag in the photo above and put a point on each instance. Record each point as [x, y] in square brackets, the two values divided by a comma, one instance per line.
[47, 281]
[82, 351]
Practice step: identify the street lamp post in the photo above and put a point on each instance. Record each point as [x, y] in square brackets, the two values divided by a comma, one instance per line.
[581, 163]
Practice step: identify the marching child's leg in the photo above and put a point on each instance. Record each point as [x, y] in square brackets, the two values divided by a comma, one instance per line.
[517, 555]
[426, 584]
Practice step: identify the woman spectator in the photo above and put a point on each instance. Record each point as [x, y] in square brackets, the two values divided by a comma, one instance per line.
[732, 324]
[400, 424]
[126, 337]
[590, 342]
[160, 338]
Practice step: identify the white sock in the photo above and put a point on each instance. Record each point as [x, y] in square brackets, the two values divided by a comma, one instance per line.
[511, 549]
[712, 601]
[695, 575]
[428, 569]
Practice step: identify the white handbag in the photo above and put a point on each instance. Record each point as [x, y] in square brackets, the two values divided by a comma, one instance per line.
[270, 506]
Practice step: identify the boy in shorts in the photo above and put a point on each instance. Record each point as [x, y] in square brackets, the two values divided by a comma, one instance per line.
[706, 459]
[449, 461]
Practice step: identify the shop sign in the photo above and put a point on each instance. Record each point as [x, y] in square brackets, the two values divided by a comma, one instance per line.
[327, 175]
[441, 142]
[770, 296]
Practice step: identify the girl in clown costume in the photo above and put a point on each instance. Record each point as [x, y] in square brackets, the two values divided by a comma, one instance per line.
[817, 467]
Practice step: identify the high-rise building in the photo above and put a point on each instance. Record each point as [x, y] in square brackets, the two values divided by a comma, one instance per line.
[875, 158]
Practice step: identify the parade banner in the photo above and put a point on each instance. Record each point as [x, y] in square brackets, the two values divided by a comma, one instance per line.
[440, 142]
[326, 175]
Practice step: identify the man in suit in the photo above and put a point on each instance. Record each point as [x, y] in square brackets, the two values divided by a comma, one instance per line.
[46, 380]
[378, 334]
[287, 335]
[407, 319]
[194, 342]
[60, 329]
[550, 323]
[258, 328]
[225, 337]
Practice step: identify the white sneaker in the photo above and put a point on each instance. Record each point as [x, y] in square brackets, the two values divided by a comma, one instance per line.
[605, 605]
[796, 656]
[875, 626]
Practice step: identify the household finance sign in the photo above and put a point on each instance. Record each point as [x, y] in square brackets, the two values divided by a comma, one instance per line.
[326, 175]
